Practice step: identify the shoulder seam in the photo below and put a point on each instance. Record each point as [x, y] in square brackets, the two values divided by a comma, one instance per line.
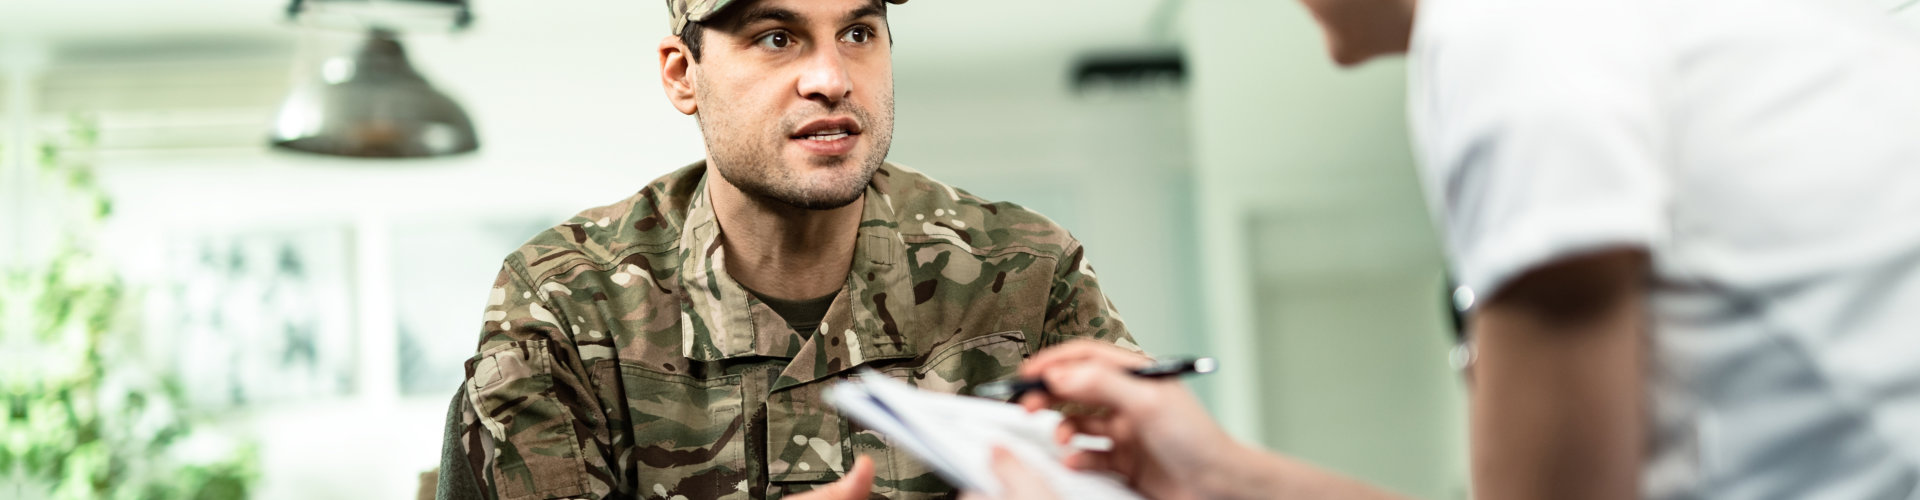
[990, 251]
[570, 263]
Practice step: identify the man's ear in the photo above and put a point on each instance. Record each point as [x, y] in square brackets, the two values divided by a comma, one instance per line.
[676, 74]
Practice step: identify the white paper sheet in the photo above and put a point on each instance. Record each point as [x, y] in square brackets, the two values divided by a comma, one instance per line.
[956, 435]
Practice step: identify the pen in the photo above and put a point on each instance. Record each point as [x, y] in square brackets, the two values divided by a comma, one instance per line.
[1008, 390]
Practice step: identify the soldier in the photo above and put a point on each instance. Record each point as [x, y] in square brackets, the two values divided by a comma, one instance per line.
[677, 344]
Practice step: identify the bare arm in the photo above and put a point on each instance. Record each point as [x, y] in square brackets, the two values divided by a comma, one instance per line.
[1557, 398]
[1279, 476]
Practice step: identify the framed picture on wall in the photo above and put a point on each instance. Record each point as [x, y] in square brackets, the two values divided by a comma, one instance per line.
[259, 316]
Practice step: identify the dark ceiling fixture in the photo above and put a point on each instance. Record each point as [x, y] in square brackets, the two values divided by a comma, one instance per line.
[370, 102]
[1130, 68]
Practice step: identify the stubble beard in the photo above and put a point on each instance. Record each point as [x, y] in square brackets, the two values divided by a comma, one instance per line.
[748, 156]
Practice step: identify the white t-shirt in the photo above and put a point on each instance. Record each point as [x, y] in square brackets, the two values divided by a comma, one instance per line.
[1766, 154]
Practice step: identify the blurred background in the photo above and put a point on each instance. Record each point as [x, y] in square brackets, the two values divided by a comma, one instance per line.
[189, 312]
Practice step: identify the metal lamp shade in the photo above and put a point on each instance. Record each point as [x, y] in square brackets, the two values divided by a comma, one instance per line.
[373, 104]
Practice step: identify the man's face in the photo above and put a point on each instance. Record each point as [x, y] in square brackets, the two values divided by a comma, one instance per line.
[795, 98]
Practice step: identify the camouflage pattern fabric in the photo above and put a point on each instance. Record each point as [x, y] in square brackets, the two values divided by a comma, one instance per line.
[682, 12]
[619, 360]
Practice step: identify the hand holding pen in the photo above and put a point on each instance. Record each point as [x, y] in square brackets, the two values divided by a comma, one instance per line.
[1162, 438]
[1010, 390]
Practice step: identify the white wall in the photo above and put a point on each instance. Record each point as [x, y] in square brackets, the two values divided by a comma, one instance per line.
[1320, 269]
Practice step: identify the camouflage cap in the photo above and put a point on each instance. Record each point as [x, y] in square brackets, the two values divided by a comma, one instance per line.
[683, 12]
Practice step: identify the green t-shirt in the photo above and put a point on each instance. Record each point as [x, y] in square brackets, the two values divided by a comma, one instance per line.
[802, 315]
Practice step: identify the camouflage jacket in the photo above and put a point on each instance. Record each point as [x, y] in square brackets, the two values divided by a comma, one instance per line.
[618, 359]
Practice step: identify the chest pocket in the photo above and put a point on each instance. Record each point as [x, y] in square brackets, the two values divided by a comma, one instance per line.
[958, 368]
[806, 439]
[689, 435]
[955, 368]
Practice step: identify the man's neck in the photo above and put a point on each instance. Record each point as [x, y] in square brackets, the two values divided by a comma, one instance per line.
[783, 251]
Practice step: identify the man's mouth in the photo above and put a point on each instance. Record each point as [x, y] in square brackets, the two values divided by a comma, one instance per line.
[828, 136]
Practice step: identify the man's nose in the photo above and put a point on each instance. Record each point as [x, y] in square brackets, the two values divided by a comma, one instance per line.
[825, 77]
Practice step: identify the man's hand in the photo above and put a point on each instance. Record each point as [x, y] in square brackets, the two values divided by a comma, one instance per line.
[856, 485]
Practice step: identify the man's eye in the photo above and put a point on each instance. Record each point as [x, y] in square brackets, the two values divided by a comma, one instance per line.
[859, 34]
[776, 40]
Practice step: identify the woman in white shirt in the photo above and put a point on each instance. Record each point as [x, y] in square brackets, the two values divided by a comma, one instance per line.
[1695, 229]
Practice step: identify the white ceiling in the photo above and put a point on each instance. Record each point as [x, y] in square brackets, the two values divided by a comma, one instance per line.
[933, 30]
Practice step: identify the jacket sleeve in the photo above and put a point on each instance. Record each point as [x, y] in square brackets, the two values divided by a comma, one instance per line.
[1076, 308]
[531, 428]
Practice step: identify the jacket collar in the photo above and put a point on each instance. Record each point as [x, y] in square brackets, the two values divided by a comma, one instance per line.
[869, 320]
